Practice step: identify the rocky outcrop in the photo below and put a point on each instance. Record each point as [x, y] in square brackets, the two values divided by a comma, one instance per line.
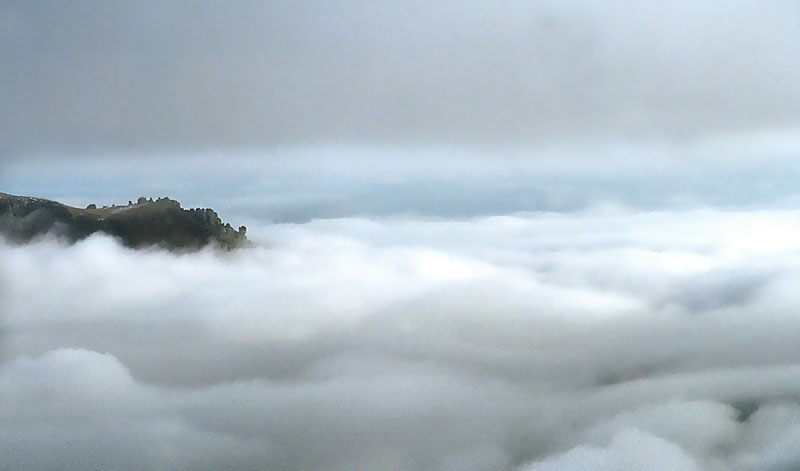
[145, 223]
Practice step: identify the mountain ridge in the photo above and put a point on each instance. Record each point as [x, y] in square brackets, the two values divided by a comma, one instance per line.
[147, 222]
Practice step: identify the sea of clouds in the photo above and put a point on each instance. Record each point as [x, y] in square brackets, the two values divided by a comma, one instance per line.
[605, 339]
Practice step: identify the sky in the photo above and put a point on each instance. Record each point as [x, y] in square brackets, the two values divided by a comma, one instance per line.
[476, 107]
[508, 235]
[196, 75]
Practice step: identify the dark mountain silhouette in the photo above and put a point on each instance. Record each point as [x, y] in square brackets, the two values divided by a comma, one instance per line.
[161, 222]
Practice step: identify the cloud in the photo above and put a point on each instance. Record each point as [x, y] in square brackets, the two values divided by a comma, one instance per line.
[629, 450]
[600, 339]
[87, 75]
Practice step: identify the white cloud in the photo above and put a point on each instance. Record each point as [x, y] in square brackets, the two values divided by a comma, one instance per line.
[601, 339]
[630, 450]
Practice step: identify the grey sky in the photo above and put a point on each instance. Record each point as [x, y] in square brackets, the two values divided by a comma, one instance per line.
[95, 75]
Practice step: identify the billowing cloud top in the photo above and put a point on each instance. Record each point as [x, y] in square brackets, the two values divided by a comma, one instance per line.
[149, 74]
[601, 340]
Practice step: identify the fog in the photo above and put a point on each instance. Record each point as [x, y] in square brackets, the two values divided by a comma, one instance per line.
[600, 339]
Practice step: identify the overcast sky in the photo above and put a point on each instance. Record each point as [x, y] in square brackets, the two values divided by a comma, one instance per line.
[302, 109]
[143, 75]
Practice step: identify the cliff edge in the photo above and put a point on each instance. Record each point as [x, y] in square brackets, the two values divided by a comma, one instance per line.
[147, 222]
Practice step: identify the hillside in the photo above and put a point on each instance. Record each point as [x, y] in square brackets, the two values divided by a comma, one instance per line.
[147, 222]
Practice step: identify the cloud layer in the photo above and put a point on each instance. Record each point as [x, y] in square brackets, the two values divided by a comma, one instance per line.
[142, 74]
[603, 339]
